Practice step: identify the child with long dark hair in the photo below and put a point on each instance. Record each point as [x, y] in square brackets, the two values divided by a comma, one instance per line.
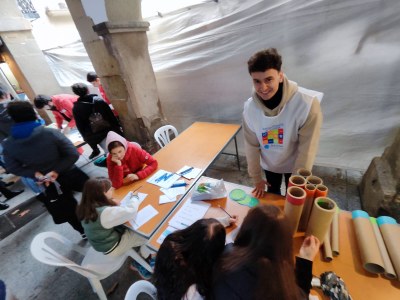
[260, 264]
[185, 261]
[102, 220]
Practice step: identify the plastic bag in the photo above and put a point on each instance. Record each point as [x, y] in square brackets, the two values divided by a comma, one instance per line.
[209, 191]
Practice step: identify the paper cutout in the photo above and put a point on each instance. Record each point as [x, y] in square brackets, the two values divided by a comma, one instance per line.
[143, 216]
[163, 179]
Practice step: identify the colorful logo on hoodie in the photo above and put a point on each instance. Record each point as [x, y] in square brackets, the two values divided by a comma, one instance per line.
[273, 137]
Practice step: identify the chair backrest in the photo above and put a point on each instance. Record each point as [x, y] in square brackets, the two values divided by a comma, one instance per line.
[162, 135]
[47, 255]
[141, 286]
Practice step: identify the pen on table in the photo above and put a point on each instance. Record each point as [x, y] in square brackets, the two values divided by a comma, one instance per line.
[137, 189]
[225, 211]
[178, 185]
[186, 171]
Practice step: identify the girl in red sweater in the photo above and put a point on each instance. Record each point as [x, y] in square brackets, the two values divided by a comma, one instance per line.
[126, 161]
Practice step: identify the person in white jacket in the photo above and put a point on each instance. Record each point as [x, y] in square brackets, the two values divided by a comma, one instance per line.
[103, 219]
[281, 124]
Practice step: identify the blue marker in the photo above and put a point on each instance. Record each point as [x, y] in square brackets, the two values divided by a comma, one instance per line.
[178, 184]
[186, 171]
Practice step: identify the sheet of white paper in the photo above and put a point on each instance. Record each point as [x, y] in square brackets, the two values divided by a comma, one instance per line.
[155, 179]
[141, 196]
[143, 216]
[192, 174]
[189, 213]
[165, 233]
[176, 191]
[165, 199]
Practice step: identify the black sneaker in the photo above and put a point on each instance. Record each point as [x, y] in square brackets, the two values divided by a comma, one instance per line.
[94, 154]
[3, 205]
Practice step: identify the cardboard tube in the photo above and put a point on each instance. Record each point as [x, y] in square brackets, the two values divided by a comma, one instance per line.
[321, 191]
[370, 255]
[308, 204]
[391, 235]
[297, 180]
[303, 172]
[295, 198]
[321, 217]
[335, 233]
[327, 247]
[315, 180]
[389, 270]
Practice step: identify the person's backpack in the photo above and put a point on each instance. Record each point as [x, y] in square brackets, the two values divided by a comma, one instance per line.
[96, 121]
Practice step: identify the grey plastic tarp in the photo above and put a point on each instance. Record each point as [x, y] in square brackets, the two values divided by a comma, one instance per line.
[349, 50]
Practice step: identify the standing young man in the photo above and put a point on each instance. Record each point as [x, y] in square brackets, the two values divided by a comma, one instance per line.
[95, 81]
[281, 124]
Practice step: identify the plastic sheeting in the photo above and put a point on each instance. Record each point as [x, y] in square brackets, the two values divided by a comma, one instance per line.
[349, 50]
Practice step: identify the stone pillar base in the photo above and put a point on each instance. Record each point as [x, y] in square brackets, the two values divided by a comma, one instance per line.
[380, 186]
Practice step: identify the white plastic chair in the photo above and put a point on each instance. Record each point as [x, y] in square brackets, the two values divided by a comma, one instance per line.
[162, 135]
[141, 286]
[95, 265]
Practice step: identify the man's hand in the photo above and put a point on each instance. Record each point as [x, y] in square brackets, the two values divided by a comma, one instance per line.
[309, 248]
[52, 176]
[132, 177]
[116, 160]
[259, 189]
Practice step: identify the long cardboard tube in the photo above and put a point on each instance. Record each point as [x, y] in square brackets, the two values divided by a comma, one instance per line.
[327, 247]
[308, 204]
[321, 217]
[389, 270]
[370, 255]
[295, 198]
[321, 191]
[391, 235]
[315, 180]
[303, 172]
[297, 180]
[335, 233]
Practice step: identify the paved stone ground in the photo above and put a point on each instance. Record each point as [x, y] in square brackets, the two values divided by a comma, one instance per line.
[29, 279]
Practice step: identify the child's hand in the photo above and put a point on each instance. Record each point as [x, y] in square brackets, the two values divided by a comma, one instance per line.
[309, 248]
[234, 219]
[116, 160]
[132, 177]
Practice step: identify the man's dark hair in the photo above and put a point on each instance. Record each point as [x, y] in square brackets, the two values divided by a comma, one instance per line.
[264, 60]
[21, 111]
[41, 100]
[80, 89]
[91, 76]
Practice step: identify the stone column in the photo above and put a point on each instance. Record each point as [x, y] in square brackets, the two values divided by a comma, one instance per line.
[23, 55]
[380, 186]
[120, 57]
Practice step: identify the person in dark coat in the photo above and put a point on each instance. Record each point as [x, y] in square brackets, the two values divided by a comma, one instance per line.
[47, 155]
[86, 105]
